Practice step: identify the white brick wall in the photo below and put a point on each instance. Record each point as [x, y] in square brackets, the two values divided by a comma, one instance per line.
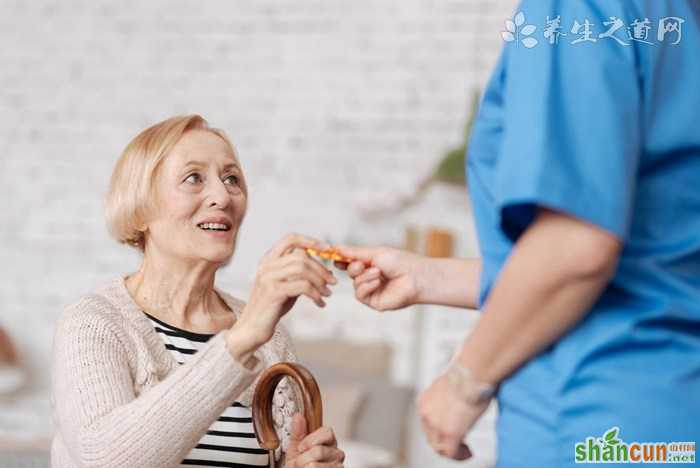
[328, 101]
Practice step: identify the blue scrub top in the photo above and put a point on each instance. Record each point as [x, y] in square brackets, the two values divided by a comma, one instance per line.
[610, 134]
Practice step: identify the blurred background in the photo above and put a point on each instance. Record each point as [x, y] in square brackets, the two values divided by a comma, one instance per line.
[350, 119]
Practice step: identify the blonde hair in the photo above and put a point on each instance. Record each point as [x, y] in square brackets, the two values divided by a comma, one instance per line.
[130, 195]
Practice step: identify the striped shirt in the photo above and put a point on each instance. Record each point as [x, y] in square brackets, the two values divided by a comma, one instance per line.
[230, 442]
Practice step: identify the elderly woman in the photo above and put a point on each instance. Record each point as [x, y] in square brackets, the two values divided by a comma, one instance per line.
[158, 367]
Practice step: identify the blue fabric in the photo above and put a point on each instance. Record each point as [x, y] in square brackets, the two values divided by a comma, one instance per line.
[608, 134]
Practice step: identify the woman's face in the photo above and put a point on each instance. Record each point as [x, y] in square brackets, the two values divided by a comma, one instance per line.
[201, 199]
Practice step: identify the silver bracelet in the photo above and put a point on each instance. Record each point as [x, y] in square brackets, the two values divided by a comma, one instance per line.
[470, 389]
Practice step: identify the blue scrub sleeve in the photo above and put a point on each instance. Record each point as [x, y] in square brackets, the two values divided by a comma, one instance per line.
[571, 123]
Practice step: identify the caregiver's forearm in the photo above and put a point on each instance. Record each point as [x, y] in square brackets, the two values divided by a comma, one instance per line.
[450, 281]
[556, 271]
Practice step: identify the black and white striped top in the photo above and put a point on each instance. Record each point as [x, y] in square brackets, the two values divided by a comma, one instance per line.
[230, 442]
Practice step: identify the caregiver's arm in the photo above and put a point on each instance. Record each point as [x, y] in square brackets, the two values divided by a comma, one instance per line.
[556, 271]
[451, 282]
[385, 278]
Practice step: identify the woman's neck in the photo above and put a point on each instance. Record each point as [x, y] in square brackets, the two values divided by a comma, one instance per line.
[179, 293]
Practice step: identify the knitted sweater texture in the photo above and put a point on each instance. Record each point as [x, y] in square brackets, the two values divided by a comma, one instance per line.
[119, 398]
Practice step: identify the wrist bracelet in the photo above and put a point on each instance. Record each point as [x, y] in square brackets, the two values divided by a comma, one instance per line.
[469, 388]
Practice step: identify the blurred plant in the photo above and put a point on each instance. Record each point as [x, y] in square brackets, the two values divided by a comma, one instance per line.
[451, 168]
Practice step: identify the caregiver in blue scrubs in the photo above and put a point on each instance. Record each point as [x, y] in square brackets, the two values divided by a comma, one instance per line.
[584, 175]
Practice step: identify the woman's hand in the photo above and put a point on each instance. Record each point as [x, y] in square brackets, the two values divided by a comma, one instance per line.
[446, 418]
[285, 273]
[384, 278]
[318, 449]
[389, 279]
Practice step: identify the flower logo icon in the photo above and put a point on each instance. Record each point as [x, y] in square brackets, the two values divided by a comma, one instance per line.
[514, 31]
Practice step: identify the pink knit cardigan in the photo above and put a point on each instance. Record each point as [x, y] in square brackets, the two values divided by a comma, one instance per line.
[120, 400]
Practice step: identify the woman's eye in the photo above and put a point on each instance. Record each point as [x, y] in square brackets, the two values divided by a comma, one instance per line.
[193, 178]
[231, 180]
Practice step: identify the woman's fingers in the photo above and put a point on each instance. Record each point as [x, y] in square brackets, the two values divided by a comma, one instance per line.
[362, 254]
[307, 271]
[315, 464]
[294, 240]
[321, 436]
[321, 270]
[365, 290]
[303, 287]
[303, 261]
[368, 275]
[320, 457]
[355, 269]
[319, 447]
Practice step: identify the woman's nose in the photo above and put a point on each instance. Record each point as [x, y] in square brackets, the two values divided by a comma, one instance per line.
[217, 194]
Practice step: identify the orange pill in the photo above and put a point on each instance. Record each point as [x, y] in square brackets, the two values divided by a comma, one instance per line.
[329, 254]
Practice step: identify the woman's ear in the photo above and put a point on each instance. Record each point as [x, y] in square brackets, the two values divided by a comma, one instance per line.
[143, 225]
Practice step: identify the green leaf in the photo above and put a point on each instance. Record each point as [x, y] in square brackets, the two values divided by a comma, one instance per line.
[611, 434]
[613, 442]
[451, 168]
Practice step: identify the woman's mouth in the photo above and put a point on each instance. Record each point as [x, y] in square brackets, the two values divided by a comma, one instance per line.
[215, 229]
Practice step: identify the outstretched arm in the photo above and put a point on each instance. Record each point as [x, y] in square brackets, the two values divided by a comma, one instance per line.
[388, 279]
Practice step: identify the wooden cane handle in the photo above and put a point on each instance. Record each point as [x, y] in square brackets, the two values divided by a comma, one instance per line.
[265, 392]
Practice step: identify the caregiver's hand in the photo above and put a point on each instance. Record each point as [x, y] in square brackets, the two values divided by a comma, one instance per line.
[285, 273]
[446, 418]
[318, 449]
[385, 278]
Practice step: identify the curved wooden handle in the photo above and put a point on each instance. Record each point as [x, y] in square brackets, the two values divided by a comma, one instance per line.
[265, 391]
